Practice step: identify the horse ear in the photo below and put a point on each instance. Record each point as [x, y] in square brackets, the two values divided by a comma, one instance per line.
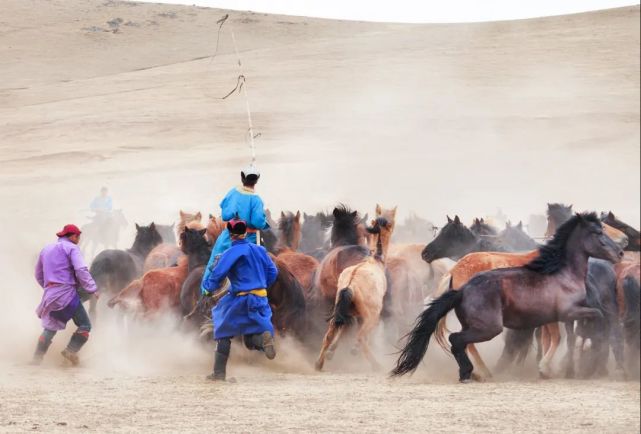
[355, 213]
[520, 225]
[182, 214]
[282, 215]
[137, 227]
[570, 207]
[378, 210]
[457, 220]
[508, 224]
[198, 216]
[335, 212]
[297, 217]
[449, 220]
[211, 216]
[610, 215]
[152, 226]
[202, 231]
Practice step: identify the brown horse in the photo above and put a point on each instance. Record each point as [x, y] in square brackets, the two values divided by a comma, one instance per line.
[348, 247]
[215, 227]
[185, 218]
[628, 275]
[363, 287]
[160, 289]
[302, 266]
[549, 288]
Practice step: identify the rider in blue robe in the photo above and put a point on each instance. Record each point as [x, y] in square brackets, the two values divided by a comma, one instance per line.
[244, 203]
[244, 310]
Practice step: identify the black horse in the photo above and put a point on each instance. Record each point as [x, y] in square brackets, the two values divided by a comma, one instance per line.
[634, 238]
[550, 288]
[114, 269]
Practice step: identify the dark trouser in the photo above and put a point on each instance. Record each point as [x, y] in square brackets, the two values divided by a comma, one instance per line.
[78, 339]
[223, 347]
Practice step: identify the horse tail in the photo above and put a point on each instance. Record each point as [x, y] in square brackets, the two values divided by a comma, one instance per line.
[419, 337]
[342, 315]
[632, 296]
[441, 328]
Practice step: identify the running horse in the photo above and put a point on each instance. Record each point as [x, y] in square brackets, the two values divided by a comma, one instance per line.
[549, 288]
[302, 266]
[362, 291]
[103, 230]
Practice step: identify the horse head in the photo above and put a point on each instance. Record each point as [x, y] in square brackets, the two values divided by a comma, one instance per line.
[557, 214]
[634, 239]
[289, 228]
[381, 229]
[192, 240]
[515, 239]
[453, 241]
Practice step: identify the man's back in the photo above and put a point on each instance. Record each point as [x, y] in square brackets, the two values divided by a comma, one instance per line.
[56, 263]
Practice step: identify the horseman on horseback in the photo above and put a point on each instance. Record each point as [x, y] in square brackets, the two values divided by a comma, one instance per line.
[244, 310]
[60, 271]
[244, 203]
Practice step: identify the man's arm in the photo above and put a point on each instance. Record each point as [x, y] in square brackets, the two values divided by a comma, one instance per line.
[227, 207]
[40, 272]
[257, 218]
[81, 271]
[271, 272]
[220, 271]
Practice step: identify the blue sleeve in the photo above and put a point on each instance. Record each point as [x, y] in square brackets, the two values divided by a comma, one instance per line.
[271, 272]
[220, 271]
[109, 204]
[93, 204]
[258, 219]
[227, 209]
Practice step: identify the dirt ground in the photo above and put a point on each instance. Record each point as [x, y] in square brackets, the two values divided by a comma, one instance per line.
[53, 400]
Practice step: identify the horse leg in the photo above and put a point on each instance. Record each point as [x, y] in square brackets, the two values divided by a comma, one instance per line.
[571, 342]
[478, 361]
[332, 348]
[362, 338]
[462, 339]
[517, 343]
[327, 341]
[539, 344]
[554, 337]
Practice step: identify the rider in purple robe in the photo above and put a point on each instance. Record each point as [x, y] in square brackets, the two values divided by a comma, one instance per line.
[61, 271]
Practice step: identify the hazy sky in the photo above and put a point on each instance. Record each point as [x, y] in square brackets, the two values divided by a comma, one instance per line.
[414, 11]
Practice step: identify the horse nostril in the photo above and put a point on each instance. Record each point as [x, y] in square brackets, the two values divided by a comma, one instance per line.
[621, 253]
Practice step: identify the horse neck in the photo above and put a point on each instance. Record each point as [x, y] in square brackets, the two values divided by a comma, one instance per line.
[576, 258]
[199, 257]
[140, 248]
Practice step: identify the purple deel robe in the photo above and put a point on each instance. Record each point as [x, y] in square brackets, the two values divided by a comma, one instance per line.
[60, 271]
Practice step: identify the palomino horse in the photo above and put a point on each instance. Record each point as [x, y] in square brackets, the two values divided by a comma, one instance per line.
[103, 230]
[348, 247]
[215, 227]
[302, 266]
[113, 270]
[363, 288]
[550, 287]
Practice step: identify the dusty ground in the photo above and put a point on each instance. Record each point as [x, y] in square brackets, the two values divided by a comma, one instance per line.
[433, 118]
[69, 400]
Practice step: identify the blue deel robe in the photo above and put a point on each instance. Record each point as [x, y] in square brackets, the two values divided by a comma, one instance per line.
[248, 267]
[249, 207]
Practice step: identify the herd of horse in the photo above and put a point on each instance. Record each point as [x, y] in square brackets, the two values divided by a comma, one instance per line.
[339, 270]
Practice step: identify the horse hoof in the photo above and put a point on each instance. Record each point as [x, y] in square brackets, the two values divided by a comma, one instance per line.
[329, 355]
[477, 378]
[544, 376]
[465, 380]
[318, 366]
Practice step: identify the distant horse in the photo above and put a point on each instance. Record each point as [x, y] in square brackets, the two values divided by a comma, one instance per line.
[185, 218]
[314, 237]
[167, 233]
[168, 253]
[363, 288]
[113, 270]
[348, 247]
[215, 227]
[414, 230]
[549, 288]
[103, 231]
[302, 266]
[634, 238]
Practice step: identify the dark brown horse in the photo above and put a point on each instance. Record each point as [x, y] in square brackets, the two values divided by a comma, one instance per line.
[302, 266]
[548, 289]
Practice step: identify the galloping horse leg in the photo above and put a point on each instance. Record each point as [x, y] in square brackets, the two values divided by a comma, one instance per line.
[539, 344]
[327, 341]
[554, 337]
[571, 341]
[517, 343]
[462, 339]
[544, 343]
[478, 361]
[330, 352]
[362, 338]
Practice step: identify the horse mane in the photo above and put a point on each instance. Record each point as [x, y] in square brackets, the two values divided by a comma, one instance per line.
[286, 228]
[345, 227]
[552, 255]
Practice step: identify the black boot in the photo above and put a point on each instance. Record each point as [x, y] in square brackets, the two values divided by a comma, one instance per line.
[220, 368]
[223, 347]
